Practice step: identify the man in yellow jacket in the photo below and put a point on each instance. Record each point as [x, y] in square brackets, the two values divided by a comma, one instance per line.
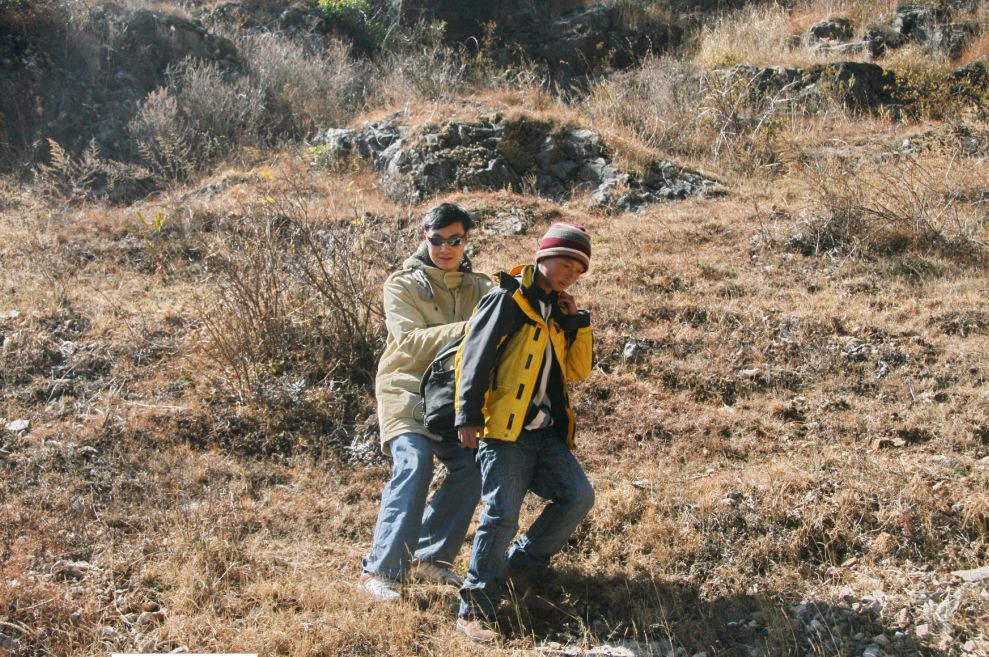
[525, 341]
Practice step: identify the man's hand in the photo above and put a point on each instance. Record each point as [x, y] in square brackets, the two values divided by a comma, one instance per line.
[470, 435]
[567, 303]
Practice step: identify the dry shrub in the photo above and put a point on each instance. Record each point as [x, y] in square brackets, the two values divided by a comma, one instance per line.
[418, 66]
[755, 34]
[294, 327]
[744, 117]
[675, 107]
[88, 176]
[198, 117]
[899, 203]
[976, 49]
[308, 90]
[657, 103]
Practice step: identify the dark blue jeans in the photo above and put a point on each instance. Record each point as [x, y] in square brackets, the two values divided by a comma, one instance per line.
[539, 461]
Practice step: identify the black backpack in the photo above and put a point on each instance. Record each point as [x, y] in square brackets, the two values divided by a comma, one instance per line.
[438, 389]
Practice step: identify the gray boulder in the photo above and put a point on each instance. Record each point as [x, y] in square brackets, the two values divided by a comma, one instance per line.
[933, 26]
[835, 29]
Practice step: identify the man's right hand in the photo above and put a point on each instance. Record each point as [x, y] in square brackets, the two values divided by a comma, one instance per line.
[470, 435]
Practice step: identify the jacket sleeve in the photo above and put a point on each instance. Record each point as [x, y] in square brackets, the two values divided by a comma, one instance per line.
[580, 346]
[408, 327]
[492, 321]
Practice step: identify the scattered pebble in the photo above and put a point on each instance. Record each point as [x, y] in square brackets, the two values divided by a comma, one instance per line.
[18, 425]
[974, 575]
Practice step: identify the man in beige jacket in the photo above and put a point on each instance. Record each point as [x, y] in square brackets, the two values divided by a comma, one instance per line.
[426, 305]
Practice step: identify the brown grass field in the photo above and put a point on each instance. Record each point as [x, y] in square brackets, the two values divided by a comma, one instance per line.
[789, 403]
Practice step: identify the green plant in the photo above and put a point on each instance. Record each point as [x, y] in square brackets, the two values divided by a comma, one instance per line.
[356, 15]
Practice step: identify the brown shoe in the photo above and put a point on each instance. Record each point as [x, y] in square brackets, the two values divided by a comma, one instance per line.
[477, 630]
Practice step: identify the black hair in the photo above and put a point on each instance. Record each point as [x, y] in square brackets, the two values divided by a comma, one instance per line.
[445, 214]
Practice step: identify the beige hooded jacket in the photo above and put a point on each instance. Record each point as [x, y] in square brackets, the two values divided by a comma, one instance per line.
[425, 308]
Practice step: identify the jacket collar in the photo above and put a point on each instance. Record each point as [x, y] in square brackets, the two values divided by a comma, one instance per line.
[427, 274]
[522, 280]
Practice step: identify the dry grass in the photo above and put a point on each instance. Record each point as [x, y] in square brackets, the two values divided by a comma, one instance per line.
[791, 425]
[796, 427]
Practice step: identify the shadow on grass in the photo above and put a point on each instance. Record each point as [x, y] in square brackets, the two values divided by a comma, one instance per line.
[662, 617]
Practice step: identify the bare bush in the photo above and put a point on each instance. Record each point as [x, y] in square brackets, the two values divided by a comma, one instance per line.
[309, 90]
[419, 66]
[296, 305]
[730, 116]
[163, 139]
[656, 102]
[755, 34]
[197, 118]
[890, 206]
[88, 176]
[744, 117]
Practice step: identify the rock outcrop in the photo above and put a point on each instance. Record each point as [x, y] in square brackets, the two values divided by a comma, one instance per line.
[932, 26]
[859, 85]
[75, 88]
[517, 154]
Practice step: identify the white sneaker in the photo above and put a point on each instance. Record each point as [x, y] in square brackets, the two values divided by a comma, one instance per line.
[430, 572]
[382, 588]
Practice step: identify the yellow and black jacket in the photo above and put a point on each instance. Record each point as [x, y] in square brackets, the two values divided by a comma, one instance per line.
[500, 359]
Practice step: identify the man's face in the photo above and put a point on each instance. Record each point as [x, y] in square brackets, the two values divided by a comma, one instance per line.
[560, 272]
[445, 255]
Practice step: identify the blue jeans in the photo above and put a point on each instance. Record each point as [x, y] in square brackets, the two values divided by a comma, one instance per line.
[403, 529]
[539, 461]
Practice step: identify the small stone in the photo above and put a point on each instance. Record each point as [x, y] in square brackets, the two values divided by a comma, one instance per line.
[150, 618]
[970, 576]
[18, 425]
[922, 631]
[71, 569]
[881, 640]
[969, 646]
[10, 314]
[749, 374]
[633, 352]
[872, 651]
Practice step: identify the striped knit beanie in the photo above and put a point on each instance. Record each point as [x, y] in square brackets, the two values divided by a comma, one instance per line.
[568, 241]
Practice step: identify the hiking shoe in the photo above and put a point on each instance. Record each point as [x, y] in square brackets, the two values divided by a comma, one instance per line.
[382, 588]
[430, 572]
[477, 630]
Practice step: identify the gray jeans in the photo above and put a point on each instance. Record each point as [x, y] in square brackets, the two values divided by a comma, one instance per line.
[406, 526]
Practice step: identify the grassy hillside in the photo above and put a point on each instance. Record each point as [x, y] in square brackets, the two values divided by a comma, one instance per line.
[787, 425]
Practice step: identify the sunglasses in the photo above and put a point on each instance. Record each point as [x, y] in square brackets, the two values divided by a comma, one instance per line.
[456, 240]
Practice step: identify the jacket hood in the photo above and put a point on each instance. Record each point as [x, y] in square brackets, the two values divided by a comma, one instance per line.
[426, 274]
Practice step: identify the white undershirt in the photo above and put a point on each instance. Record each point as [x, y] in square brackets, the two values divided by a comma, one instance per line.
[541, 400]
